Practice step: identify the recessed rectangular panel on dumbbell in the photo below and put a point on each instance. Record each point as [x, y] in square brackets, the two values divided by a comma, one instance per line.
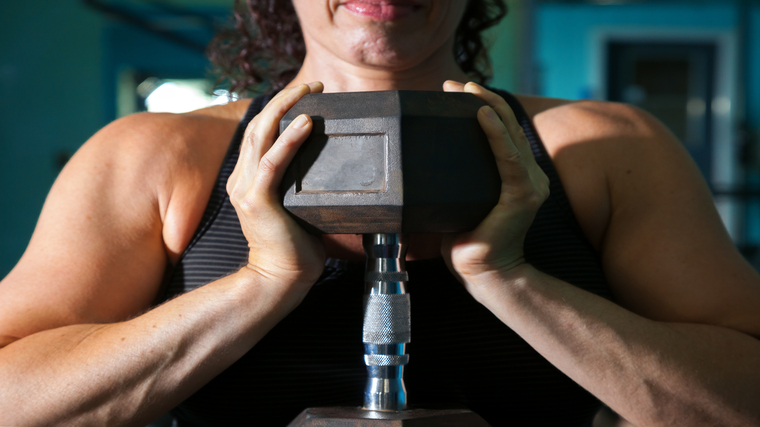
[391, 162]
[333, 163]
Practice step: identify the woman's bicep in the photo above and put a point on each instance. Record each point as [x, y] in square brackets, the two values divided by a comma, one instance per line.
[666, 253]
[96, 254]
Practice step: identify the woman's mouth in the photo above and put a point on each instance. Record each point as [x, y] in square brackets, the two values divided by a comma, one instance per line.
[382, 10]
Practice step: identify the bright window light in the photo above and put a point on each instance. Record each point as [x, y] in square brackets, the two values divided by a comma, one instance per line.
[181, 96]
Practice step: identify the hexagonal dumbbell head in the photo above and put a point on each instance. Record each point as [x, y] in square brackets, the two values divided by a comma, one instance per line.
[391, 162]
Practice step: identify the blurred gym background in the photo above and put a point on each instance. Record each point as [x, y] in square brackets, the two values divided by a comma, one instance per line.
[69, 67]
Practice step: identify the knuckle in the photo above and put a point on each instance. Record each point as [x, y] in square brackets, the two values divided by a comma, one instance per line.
[232, 181]
[248, 205]
[523, 193]
[252, 138]
[236, 194]
[266, 165]
[540, 194]
[513, 156]
[537, 198]
[251, 126]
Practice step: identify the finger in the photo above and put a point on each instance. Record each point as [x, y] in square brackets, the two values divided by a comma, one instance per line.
[453, 86]
[278, 106]
[245, 167]
[284, 91]
[273, 164]
[247, 162]
[282, 103]
[497, 103]
[260, 133]
[267, 123]
[264, 128]
[241, 176]
[316, 87]
[504, 111]
[509, 160]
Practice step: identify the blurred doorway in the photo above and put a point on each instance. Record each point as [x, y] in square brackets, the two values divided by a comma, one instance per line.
[687, 79]
[672, 81]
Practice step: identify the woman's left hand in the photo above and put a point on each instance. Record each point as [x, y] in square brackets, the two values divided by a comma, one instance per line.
[496, 245]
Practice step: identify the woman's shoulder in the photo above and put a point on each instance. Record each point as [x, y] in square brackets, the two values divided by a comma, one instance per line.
[146, 132]
[166, 142]
[126, 202]
[175, 157]
[561, 122]
[596, 146]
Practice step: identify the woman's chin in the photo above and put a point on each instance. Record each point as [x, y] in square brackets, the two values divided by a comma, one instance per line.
[388, 50]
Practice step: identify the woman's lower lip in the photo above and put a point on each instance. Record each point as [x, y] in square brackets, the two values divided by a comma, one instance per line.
[380, 11]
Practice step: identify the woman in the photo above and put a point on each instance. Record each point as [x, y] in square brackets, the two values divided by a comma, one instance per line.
[81, 346]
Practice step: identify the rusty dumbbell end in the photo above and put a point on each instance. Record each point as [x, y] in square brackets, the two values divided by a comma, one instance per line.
[383, 164]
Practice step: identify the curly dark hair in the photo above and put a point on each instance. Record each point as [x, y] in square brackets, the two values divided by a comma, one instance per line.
[263, 49]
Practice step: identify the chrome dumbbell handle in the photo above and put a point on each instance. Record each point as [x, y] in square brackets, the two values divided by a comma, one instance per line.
[387, 324]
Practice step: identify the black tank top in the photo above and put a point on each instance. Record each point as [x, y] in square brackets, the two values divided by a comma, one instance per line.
[460, 352]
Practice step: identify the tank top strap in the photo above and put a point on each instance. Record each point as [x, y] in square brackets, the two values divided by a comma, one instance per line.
[558, 199]
[219, 193]
[173, 282]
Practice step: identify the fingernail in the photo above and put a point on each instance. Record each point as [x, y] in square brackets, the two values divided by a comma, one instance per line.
[300, 121]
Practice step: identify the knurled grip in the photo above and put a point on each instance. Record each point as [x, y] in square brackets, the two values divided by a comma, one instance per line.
[386, 359]
[387, 319]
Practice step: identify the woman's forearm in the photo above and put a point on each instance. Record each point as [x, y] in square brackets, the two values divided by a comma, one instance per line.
[129, 373]
[652, 373]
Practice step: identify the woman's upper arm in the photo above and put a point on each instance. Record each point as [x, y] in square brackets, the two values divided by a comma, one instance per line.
[665, 251]
[97, 253]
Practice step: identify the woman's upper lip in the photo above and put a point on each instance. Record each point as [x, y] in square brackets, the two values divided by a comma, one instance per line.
[386, 2]
[382, 10]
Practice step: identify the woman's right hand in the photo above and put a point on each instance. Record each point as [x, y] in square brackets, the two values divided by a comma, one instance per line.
[281, 251]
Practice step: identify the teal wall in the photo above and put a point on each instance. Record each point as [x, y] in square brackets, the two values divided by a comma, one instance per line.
[58, 65]
[564, 36]
[507, 50]
[753, 120]
[51, 88]
[753, 72]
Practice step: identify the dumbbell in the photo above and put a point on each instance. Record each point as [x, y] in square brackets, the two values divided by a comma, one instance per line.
[386, 164]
